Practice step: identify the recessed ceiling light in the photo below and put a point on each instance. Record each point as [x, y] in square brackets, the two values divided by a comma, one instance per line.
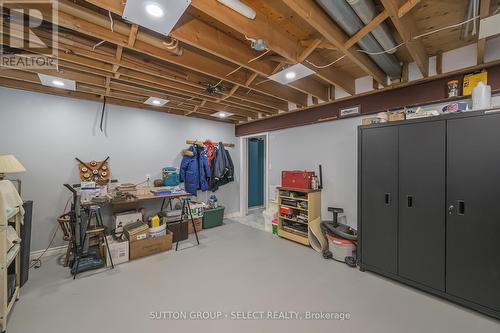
[57, 82]
[222, 114]
[292, 73]
[154, 10]
[155, 101]
[157, 15]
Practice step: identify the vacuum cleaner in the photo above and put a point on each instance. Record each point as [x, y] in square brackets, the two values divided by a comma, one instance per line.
[342, 239]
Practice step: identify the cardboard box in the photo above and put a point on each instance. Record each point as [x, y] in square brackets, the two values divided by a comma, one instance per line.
[472, 80]
[119, 251]
[126, 218]
[135, 235]
[150, 246]
[198, 222]
[197, 209]
[396, 116]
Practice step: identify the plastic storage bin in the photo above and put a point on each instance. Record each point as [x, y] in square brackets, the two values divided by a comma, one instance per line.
[213, 217]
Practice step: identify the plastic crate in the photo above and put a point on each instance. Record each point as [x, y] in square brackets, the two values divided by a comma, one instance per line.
[213, 217]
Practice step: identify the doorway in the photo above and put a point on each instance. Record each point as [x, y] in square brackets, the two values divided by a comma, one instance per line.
[255, 158]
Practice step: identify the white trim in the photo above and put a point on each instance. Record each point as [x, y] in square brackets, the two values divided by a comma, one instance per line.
[244, 171]
[56, 250]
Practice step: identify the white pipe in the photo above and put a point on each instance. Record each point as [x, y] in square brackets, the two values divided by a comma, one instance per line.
[239, 7]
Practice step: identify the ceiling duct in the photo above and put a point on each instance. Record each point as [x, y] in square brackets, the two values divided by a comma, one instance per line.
[342, 14]
[366, 11]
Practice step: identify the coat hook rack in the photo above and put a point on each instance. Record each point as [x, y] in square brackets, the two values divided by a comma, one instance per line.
[200, 143]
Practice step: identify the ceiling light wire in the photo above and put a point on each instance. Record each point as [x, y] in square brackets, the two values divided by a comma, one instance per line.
[260, 56]
[325, 66]
[421, 36]
[111, 22]
[234, 71]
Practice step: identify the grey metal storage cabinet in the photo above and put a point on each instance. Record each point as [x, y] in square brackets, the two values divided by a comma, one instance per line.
[427, 215]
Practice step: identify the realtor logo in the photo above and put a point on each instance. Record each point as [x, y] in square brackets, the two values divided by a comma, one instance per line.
[28, 34]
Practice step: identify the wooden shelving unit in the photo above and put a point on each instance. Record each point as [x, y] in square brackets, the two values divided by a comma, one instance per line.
[306, 202]
[9, 257]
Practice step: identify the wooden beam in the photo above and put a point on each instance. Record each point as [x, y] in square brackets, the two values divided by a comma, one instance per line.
[321, 22]
[375, 22]
[133, 35]
[407, 28]
[406, 7]
[439, 63]
[276, 38]
[484, 11]
[91, 23]
[309, 50]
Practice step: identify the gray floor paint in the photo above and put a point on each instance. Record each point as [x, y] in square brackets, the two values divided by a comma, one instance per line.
[236, 268]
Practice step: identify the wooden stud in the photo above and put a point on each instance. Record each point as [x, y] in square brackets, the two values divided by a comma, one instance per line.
[367, 29]
[407, 28]
[439, 63]
[484, 11]
[406, 7]
[319, 20]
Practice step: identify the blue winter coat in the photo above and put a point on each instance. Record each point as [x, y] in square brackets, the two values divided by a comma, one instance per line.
[194, 171]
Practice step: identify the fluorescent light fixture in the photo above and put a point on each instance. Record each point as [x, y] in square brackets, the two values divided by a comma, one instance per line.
[292, 73]
[157, 15]
[155, 101]
[222, 114]
[57, 82]
[239, 7]
[489, 26]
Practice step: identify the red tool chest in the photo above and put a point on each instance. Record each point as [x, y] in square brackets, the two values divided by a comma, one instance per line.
[296, 179]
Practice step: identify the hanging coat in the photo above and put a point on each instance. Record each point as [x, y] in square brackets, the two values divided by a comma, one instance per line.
[222, 169]
[194, 171]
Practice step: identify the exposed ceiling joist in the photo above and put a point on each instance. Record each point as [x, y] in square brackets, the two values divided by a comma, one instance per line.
[320, 21]
[406, 7]
[73, 17]
[207, 38]
[277, 39]
[407, 29]
[367, 29]
[484, 11]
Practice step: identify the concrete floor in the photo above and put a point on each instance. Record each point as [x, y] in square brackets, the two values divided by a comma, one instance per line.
[236, 268]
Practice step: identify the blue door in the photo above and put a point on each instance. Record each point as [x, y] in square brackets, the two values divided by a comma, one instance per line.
[255, 172]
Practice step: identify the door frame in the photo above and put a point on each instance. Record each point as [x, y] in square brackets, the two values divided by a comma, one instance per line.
[244, 171]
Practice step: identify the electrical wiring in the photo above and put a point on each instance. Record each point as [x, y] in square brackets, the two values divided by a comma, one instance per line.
[325, 66]
[259, 56]
[112, 23]
[421, 36]
[111, 26]
[234, 71]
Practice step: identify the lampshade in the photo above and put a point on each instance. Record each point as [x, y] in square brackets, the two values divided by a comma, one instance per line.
[10, 164]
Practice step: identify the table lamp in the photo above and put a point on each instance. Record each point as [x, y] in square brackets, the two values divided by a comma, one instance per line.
[10, 164]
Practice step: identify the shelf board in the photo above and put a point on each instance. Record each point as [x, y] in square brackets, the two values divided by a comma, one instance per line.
[299, 208]
[289, 219]
[12, 253]
[299, 190]
[292, 198]
[302, 239]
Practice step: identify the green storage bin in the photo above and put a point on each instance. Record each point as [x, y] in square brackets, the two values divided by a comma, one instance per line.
[213, 217]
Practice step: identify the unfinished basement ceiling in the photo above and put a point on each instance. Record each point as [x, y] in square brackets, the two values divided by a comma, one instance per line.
[206, 65]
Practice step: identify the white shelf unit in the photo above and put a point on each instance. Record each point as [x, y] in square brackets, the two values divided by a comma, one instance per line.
[9, 257]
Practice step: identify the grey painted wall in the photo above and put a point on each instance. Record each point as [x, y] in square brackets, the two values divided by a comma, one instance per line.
[334, 146]
[47, 132]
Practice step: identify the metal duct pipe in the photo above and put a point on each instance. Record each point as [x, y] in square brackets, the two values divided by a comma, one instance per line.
[366, 11]
[342, 14]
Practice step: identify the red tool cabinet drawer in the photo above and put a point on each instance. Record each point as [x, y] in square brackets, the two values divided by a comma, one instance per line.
[296, 179]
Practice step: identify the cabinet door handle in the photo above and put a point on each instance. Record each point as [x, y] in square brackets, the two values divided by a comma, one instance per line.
[461, 207]
[387, 199]
[409, 199]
